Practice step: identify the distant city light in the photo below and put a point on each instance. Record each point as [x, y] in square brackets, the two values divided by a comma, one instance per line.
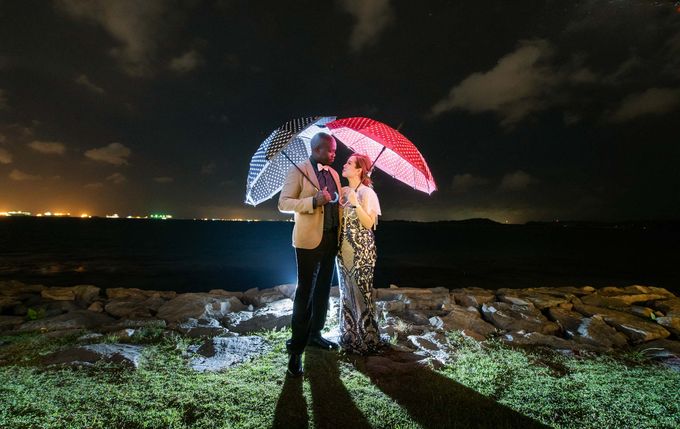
[113, 216]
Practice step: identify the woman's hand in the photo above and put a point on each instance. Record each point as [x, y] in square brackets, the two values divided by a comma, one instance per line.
[352, 197]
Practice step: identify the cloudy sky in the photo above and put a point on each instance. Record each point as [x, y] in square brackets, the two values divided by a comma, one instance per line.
[527, 110]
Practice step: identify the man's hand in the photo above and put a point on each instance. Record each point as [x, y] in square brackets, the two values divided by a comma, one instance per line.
[322, 197]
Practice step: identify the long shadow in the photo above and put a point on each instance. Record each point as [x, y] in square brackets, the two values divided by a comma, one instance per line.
[291, 407]
[332, 404]
[433, 400]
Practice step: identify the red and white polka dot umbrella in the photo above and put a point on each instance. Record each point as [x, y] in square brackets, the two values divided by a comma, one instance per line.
[388, 149]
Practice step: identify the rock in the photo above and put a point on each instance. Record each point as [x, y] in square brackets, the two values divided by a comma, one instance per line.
[195, 328]
[538, 297]
[636, 329]
[288, 290]
[468, 320]
[84, 294]
[134, 293]
[275, 315]
[400, 293]
[134, 323]
[595, 331]
[223, 292]
[670, 323]
[472, 297]
[660, 348]
[219, 353]
[8, 303]
[416, 317]
[124, 334]
[79, 319]
[96, 306]
[569, 321]
[7, 323]
[198, 306]
[125, 307]
[91, 336]
[513, 317]
[390, 306]
[578, 291]
[125, 354]
[59, 293]
[433, 301]
[259, 298]
[522, 338]
[669, 307]
[18, 289]
[599, 300]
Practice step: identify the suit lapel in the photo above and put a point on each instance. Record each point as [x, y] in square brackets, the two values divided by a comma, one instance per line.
[312, 174]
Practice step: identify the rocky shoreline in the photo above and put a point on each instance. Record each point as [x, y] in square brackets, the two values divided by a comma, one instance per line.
[413, 320]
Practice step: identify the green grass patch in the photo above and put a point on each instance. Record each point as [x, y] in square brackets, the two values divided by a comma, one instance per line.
[481, 386]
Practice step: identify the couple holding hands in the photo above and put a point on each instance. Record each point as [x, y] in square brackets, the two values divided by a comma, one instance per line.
[333, 225]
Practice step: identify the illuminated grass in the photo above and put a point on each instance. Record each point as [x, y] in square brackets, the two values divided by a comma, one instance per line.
[163, 393]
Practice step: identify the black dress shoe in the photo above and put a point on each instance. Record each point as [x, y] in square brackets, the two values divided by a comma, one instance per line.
[323, 343]
[295, 365]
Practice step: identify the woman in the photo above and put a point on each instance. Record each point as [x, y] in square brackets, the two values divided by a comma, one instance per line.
[356, 258]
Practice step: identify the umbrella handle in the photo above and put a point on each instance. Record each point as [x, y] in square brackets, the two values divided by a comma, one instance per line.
[337, 197]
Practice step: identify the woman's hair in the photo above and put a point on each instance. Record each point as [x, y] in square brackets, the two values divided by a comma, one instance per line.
[365, 163]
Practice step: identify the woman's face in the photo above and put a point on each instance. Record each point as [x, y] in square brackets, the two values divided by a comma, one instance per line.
[350, 168]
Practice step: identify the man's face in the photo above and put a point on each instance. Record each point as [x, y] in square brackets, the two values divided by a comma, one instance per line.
[325, 152]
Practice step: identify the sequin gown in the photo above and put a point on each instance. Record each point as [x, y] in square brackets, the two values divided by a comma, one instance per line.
[355, 262]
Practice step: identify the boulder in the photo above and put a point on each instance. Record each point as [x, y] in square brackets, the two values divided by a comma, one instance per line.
[669, 307]
[472, 297]
[198, 306]
[595, 331]
[670, 323]
[195, 328]
[18, 289]
[621, 300]
[134, 323]
[390, 306]
[87, 355]
[275, 315]
[468, 320]
[7, 323]
[220, 353]
[537, 297]
[78, 319]
[512, 317]
[569, 321]
[96, 306]
[223, 292]
[134, 308]
[578, 291]
[134, 293]
[84, 294]
[636, 329]
[522, 338]
[258, 298]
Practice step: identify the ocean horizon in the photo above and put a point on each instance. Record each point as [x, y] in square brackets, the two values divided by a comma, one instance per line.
[196, 256]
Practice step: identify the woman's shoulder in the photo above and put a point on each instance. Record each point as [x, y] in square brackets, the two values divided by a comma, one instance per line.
[363, 189]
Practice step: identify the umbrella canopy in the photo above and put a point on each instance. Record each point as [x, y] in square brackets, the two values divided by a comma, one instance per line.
[389, 150]
[286, 146]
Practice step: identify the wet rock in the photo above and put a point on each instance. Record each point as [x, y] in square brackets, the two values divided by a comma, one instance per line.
[134, 293]
[133, 308]
[221, 353]
[472, 297]
[636, 329]
[669, 307]
[78, 319]
[198, 306]
[595, 331]
[468, 320]
[87, 355]
[275, 315]
[512, 317]
[19, 290]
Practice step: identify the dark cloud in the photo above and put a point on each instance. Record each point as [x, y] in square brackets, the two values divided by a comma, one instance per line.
[113, 153]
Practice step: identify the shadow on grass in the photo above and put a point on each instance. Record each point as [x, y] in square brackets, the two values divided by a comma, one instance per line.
[434, 400]
[331, 402]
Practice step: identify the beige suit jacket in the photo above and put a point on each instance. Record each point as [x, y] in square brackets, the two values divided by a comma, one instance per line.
[296, 197]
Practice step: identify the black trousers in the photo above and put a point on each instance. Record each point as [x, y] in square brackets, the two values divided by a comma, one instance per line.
[315, 273]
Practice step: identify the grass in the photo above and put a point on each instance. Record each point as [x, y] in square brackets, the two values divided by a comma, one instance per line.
[480, 386]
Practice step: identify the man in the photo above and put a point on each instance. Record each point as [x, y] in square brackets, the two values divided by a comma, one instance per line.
[310, 192]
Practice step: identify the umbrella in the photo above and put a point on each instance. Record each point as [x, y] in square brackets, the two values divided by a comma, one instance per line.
[388, 148]
[285, 146]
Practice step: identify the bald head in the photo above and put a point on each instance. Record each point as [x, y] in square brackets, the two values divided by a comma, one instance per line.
[323, 148]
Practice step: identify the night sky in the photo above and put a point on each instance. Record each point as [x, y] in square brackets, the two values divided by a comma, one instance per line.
[526, 110]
